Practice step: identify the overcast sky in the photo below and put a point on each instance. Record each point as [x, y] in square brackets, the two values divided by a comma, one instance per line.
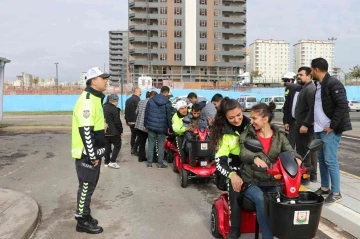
[34, 34]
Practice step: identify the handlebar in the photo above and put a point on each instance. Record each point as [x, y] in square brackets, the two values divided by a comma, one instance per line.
[258, 169]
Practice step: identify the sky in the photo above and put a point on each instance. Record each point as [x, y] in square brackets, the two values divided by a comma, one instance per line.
[35, 34]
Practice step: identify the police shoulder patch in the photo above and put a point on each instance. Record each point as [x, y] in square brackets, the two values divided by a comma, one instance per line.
[86, 114]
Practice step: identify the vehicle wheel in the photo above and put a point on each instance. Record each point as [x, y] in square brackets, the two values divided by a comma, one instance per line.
[214, 223]
[358, 111]
[175, 170]
[184, 178]
[170, 156]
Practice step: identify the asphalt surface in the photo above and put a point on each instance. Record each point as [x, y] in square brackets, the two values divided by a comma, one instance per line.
[132, 202]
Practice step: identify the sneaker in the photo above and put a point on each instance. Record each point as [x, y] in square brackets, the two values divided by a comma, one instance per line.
[333, 198]
[322, 192]
[106, 165]
[114, 165]
[162, 166]
[149, 165]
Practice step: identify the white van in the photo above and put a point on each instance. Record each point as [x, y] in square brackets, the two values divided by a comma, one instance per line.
[278, 100]
[247, 102]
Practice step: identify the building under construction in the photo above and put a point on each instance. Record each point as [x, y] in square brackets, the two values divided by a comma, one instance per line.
[187, 40]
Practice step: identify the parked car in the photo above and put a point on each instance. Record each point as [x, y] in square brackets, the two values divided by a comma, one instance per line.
[247, 102]
[354, 105]
[278, 100]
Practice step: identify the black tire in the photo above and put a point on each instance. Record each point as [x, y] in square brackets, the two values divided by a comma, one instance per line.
[214, 223]
[184, 178]
[170, 156]
[358, 111]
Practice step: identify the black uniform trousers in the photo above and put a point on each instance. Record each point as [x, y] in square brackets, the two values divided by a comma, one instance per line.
[141, 137]
[88, 177]
[234, 206]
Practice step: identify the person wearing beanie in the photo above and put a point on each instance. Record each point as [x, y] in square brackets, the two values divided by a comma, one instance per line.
[178, 127]
[113, 132]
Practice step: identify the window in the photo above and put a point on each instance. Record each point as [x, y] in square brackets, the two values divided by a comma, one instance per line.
[177, 22]
[177, 45]
[216, 2]
[163, 33]
[203, 11]
[203, 23]
[216, 23]
[178, 11]
[163, 57]
[203, 35]
[203, 46]
[163, 10]
[177, 1]
[203, 2]
[216, 58]
[217, 47]
[217, 35]
[216, 12]
[163, 45]
[163, 0]
[202, 57]
[177, 57]
[177, 33]
[163, 21]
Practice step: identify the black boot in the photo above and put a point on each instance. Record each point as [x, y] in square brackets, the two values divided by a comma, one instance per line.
[234, 233]
[93, 220]
[85, 225]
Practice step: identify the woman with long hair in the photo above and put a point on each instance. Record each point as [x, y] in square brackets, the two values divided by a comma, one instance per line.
[225, 140]
[274, 141]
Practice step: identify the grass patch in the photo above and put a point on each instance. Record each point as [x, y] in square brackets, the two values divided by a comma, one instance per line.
[39, 113]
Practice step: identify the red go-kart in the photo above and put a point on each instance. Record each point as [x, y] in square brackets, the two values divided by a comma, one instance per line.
[292, 214]
[205, 167]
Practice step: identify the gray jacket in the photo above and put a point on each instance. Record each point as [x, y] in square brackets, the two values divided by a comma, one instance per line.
[207, 108]
[140, 112]
[304, 110]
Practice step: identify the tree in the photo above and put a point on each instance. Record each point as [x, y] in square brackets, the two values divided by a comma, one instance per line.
[36, 81]
[256, 74]
[355, 71]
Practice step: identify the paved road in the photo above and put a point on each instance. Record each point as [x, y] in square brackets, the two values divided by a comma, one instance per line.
[132, 202]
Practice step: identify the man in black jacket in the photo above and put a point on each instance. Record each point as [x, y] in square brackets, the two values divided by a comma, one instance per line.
[331, 118]
[304, 124]
[113, 131]
[289, 108]
[130, 117]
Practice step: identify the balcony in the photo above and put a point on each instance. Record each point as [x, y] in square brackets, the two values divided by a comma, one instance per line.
[233, 9]
[144, 16]
[143, 39]
[143, 27]
[233, 53]
[231, 42]
[234, 19]
[233, 30]
[116, 57]
[116, 41]
[240, 1]
[142, 4]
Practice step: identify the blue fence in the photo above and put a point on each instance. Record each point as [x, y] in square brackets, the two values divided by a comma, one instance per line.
[13, 103]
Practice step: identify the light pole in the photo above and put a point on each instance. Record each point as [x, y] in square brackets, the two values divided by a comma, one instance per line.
[333, 39]
[3, 61]
[57, 78]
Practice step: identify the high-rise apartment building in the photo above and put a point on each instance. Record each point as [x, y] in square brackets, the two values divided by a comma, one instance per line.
[306, 50]
[270, 58]
[118, 47]
[187, 40]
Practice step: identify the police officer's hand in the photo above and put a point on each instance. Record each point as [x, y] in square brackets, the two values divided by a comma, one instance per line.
[95, 162]
[236, 182]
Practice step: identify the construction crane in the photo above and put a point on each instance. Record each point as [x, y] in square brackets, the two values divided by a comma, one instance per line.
[148, 33]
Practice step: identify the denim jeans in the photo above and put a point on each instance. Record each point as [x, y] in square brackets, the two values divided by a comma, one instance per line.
[256, 195]
[152, 138]
[328, 162]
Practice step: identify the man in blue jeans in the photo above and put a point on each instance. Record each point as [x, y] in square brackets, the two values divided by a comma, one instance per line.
[157, 121]
[331, 118]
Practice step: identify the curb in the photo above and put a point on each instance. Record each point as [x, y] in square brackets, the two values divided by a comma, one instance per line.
[20, 215]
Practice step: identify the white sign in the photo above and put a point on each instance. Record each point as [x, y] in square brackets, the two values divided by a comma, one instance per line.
[301, 217]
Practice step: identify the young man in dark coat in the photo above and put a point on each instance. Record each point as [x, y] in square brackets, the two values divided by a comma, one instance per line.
[130, 117]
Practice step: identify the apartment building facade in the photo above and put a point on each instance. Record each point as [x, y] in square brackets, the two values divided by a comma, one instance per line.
[306, 50]
[271, 58]
[118, 48]
[187, 40]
